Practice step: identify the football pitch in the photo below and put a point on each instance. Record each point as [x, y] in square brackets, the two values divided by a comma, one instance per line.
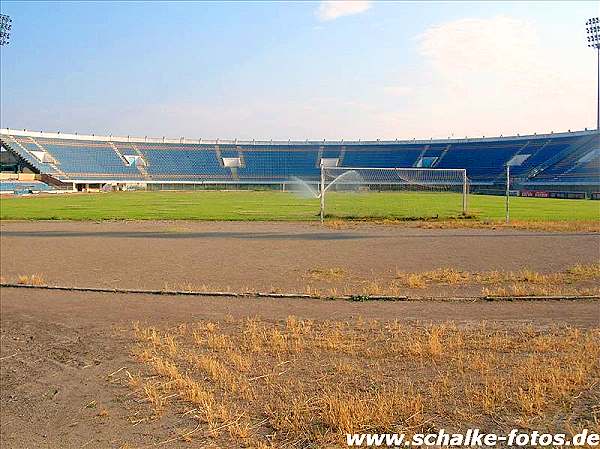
[282, 206]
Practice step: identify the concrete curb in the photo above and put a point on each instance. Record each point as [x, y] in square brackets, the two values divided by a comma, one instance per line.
[353, 298]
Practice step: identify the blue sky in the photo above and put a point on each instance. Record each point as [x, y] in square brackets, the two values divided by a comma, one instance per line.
[298, 70]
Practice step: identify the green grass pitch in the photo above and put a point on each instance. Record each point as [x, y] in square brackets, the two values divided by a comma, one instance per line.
[271, 205]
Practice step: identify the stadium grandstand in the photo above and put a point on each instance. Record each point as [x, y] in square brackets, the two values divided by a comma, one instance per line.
[566, 162]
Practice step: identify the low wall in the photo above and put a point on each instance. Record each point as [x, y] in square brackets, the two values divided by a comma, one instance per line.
[27, 177]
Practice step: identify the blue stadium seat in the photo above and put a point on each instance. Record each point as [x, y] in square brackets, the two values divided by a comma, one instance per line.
[34, 186]
[88, 158]
[549, 157]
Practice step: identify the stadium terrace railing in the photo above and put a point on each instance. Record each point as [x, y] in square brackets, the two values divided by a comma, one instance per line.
[183, 140]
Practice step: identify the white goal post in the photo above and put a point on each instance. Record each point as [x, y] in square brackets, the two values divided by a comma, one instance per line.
[368, 179]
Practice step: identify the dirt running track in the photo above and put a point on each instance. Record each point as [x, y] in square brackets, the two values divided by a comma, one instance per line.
[58, 348]
[269, 256]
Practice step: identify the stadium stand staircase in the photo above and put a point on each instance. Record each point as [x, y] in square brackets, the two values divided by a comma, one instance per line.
[53, 162]
[522, 149]
[141, 167]
[10, 143]
[324, 153]
[501, 176]
[533, 157]
[441, 156]
[41, 148]
[54, 182]
[421, 154]
[219, 155]
[118, 153]
[26, 156]
[237, 152]
[582, 164]
[565, 157]
[341, 156]
[229, 153]
[240, 155]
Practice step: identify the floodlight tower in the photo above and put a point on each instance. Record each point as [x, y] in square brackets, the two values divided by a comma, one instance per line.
[593, 39]
[5, 26]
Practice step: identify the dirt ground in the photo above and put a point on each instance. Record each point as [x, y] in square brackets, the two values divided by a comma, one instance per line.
[59, 349]
[271, 256]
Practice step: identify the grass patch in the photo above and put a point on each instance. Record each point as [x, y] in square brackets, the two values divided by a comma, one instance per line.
[523, 289]
[269, 205]
[326, 274]
[33, 279]
[302, 383]
[452, 276]
[555, 225]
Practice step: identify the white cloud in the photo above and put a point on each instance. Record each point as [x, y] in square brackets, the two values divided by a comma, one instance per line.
[398, 91]
[331, 10]
[479, 44]
[490, 76]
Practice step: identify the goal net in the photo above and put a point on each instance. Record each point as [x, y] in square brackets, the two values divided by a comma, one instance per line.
[403, 193]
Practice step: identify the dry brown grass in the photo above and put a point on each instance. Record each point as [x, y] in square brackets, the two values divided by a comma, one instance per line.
[324, 282]
[191, 287]
[336, 282]
[440, 276]
[340, 224]
[582, 271]
[304, 383]
[326, 274]
[523, 289]
[544, 226]
[33, 279]
[452, 276]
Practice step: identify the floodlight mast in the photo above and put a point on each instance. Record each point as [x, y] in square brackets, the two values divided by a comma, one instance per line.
[593, 39]
[5, 26]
